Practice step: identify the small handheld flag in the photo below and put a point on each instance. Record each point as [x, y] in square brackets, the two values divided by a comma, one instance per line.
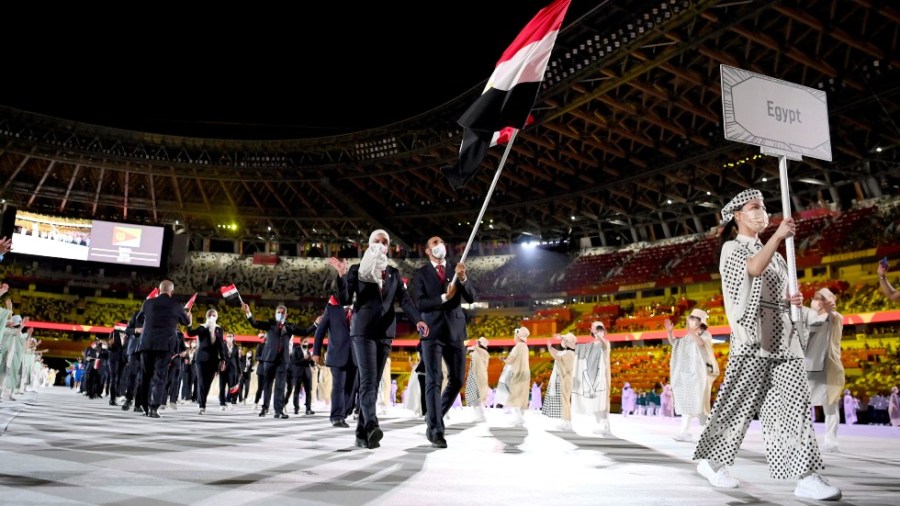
[190, 302]
[154, 294]
[120, 326]
[230, 292]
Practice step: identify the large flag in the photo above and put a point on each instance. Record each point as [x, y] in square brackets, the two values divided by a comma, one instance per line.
[230, 292]
[153, 294]
[510, 92]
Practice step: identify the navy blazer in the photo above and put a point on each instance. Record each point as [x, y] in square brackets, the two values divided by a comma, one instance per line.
[373, 310]
[162, 315]
[278, 335]
[335, 324]
[133, 346]
[446, 320]
[207, 351]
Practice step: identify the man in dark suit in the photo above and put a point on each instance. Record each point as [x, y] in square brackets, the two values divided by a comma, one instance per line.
[376, 286]
[301, 376]
[438, 298]
[159, 340]
[340, 359]
[276, 355]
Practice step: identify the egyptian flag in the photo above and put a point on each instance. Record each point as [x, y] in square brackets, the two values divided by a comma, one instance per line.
[190, 302]
[230, 292]
[154, 294]
[120, 326]
[510, 92]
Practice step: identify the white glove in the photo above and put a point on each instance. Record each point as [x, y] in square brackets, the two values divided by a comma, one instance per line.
[373, 263]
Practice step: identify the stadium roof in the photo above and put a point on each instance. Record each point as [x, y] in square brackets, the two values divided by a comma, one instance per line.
[628, 140]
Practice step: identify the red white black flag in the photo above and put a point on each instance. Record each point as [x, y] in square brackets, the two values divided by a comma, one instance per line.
[510, 92]
[230, 293]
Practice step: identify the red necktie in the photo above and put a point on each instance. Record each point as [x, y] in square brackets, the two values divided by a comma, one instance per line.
[349, 315]
[440, 271]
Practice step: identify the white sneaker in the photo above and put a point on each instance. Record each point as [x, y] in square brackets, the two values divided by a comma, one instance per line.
[816, 487]
[830, 447]
[222, 407]
[173, 406]
[564, 427]
[718, 479]
[686, 437]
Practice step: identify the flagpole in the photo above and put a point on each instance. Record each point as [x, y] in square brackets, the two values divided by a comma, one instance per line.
[487, 199]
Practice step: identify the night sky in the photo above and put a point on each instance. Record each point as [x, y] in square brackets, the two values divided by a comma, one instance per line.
[339, 68]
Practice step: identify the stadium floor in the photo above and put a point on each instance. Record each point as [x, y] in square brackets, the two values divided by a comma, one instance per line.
[61, 448]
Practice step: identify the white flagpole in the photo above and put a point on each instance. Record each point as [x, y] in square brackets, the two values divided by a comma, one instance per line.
[487, 199]
[789, 242]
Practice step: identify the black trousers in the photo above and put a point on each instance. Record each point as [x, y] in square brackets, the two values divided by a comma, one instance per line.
[371, 355]
[226, 381]
[153, 382]
[173, 382]
[205, 373]
[343, 391]
[275, 382]
[116, 369]
[132, 379]
[437, 402]
[303, 379]
[260, 381]
[188, 382]
[245, 386]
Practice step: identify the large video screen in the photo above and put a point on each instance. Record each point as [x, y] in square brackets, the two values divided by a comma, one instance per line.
[95, 240]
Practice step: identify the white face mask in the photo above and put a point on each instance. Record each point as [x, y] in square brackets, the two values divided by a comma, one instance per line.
[439, 251]
[279, 317]
[211, 321]
[104, 347]
[756, 219]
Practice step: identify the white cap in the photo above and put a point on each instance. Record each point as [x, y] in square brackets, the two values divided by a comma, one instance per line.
[701, 314]
[522, 334]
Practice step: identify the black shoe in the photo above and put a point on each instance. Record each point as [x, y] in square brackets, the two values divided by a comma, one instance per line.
[126, 406]
[361, 443]
[428, 435]
[373, 437]
[310, 412]
[438, 442]
[296, 411]
[112, 402]
[153, 413]
[281, 416]
[340, 423]
[138, 409]
[263, 412]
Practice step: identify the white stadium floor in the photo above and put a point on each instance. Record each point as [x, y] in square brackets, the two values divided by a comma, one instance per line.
[58, 447]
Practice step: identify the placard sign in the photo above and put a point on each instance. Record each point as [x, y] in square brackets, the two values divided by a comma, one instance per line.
[777, 114]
